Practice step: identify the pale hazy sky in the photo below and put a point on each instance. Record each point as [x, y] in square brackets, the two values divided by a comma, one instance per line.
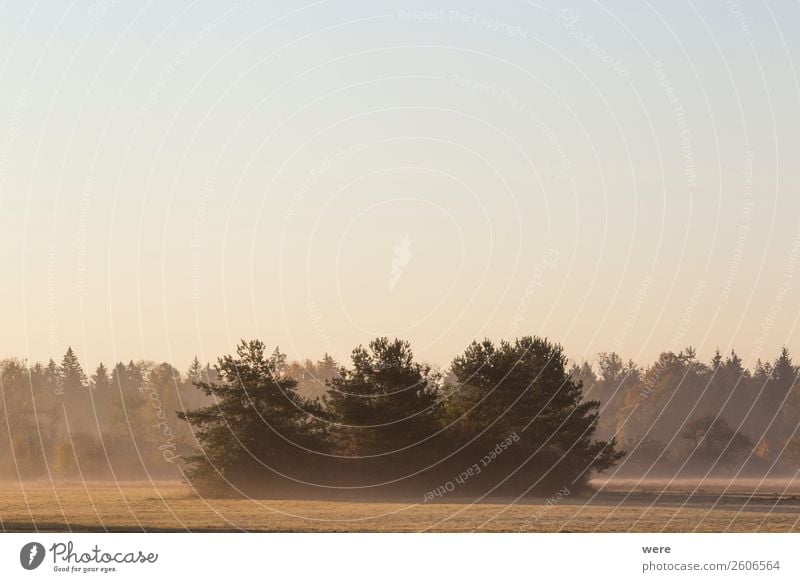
[175, 176]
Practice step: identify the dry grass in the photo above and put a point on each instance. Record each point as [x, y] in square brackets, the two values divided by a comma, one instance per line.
[173, 507]
[740, 486]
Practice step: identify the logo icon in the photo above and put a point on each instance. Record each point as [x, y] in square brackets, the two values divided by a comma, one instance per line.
[31, 555]
[400, 260]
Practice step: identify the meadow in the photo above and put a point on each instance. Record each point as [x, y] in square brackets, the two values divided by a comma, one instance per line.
[615, 506]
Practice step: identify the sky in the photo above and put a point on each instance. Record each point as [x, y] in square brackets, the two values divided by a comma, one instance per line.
[177, 176]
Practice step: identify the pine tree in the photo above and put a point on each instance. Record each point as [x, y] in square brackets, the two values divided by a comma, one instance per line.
[716, 361]
[100, 379]
[258, 427]
[71, 372]
[733, 366]
[784, 373]
[385, 403]
[780, 401]
[195, 372]
[763, 373]
[524, 389]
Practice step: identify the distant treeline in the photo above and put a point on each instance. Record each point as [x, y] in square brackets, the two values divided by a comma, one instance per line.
[508, 419]
[120, 424]
[680, 415]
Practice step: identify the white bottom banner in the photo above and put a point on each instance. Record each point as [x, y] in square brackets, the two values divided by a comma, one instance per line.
[399, 557]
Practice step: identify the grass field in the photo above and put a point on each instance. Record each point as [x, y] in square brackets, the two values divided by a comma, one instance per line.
[617, 507]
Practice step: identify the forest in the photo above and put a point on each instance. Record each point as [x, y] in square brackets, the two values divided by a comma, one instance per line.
[507, 418]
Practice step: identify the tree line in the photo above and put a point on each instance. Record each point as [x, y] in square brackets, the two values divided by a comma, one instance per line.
[116, 424]
[509, 418]
[681, 416]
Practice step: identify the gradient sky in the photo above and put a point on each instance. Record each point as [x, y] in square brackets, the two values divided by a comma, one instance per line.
[615, 176]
